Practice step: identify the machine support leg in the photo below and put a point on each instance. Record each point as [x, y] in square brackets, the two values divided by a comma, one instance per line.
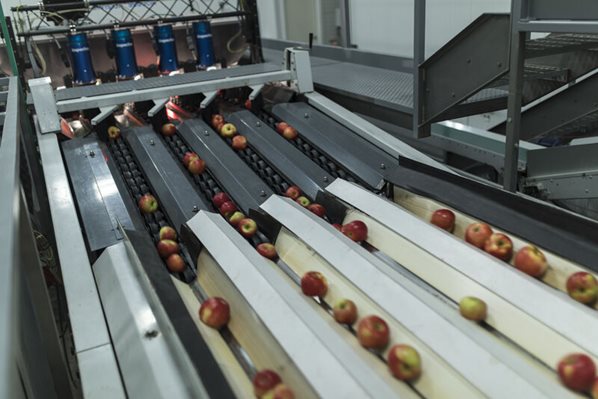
[419, 55]
[514, 110]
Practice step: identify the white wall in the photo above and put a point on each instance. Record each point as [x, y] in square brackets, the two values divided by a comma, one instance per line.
[386, 26]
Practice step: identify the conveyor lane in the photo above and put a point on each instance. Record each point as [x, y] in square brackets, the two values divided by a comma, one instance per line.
[179, 198]
[237, 179]
[281, 154]
[367, 162]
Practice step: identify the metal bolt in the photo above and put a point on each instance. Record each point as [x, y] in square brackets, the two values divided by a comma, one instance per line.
[195, 208]
[325, 178]
[306, 115]
[92, 154]
[152, 142]
[469, 61]
[587, 191]
[499, 64]
[206, 133]
[262, 193]
[258, 124]
[382, 166]
[453, 94]
[151, 334]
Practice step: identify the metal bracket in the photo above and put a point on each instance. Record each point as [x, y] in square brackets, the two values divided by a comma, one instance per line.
[45, 105]
[255, 91]
[300, 66]
[210, 96]
[104, 113]
[158, 105]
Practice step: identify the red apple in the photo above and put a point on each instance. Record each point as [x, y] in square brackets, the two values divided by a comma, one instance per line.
[314, 284]
[303, 201]
[148, 203]
[477, 234]
[289, 133]
[281, 126]
[338, 227]
[167, 233]
[175, 263]
[248, 104]
[247, 227]
[113, 132]
[293, 192]
[355, 230]
[219, 199]
[473, 308]
[345, 312]
[594, 390]
[227, 209]
[236, 217]
[577, 372]
[239, 143]
[228, 130]
[168, 129]
[167, 248]
[264, 381]
[444, 218]
[188, 157]
[218, 127]
[196, 166]
[373, 332]
[317, 209]
[267, 250]
[531, 260]
[404, 362]
[499, 246]
[583, 287]
[217, 119]
[280, 391]
[214, 312]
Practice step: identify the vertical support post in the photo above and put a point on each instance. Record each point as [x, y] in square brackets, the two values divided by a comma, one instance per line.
[517, 59]
[8, 44]
[345, 23]
[419, 55]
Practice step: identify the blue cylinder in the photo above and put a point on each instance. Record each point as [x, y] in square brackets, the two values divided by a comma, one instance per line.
[164, 36]
[126, 64]
[203, 44]
[82, 67]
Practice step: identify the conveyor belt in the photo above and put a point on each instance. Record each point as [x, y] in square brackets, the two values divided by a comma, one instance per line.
[564, 233]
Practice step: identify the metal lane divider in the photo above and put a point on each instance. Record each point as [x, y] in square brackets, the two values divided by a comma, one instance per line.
[329, 364]
[484, 369]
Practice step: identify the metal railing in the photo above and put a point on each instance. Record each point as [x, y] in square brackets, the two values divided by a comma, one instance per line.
[32, 363]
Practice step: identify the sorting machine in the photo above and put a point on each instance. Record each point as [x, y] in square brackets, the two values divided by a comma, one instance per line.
[135, 325]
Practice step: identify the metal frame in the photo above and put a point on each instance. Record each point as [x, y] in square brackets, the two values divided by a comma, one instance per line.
[30, 350]
[90, 334]
[297, 70]
[536, 16]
